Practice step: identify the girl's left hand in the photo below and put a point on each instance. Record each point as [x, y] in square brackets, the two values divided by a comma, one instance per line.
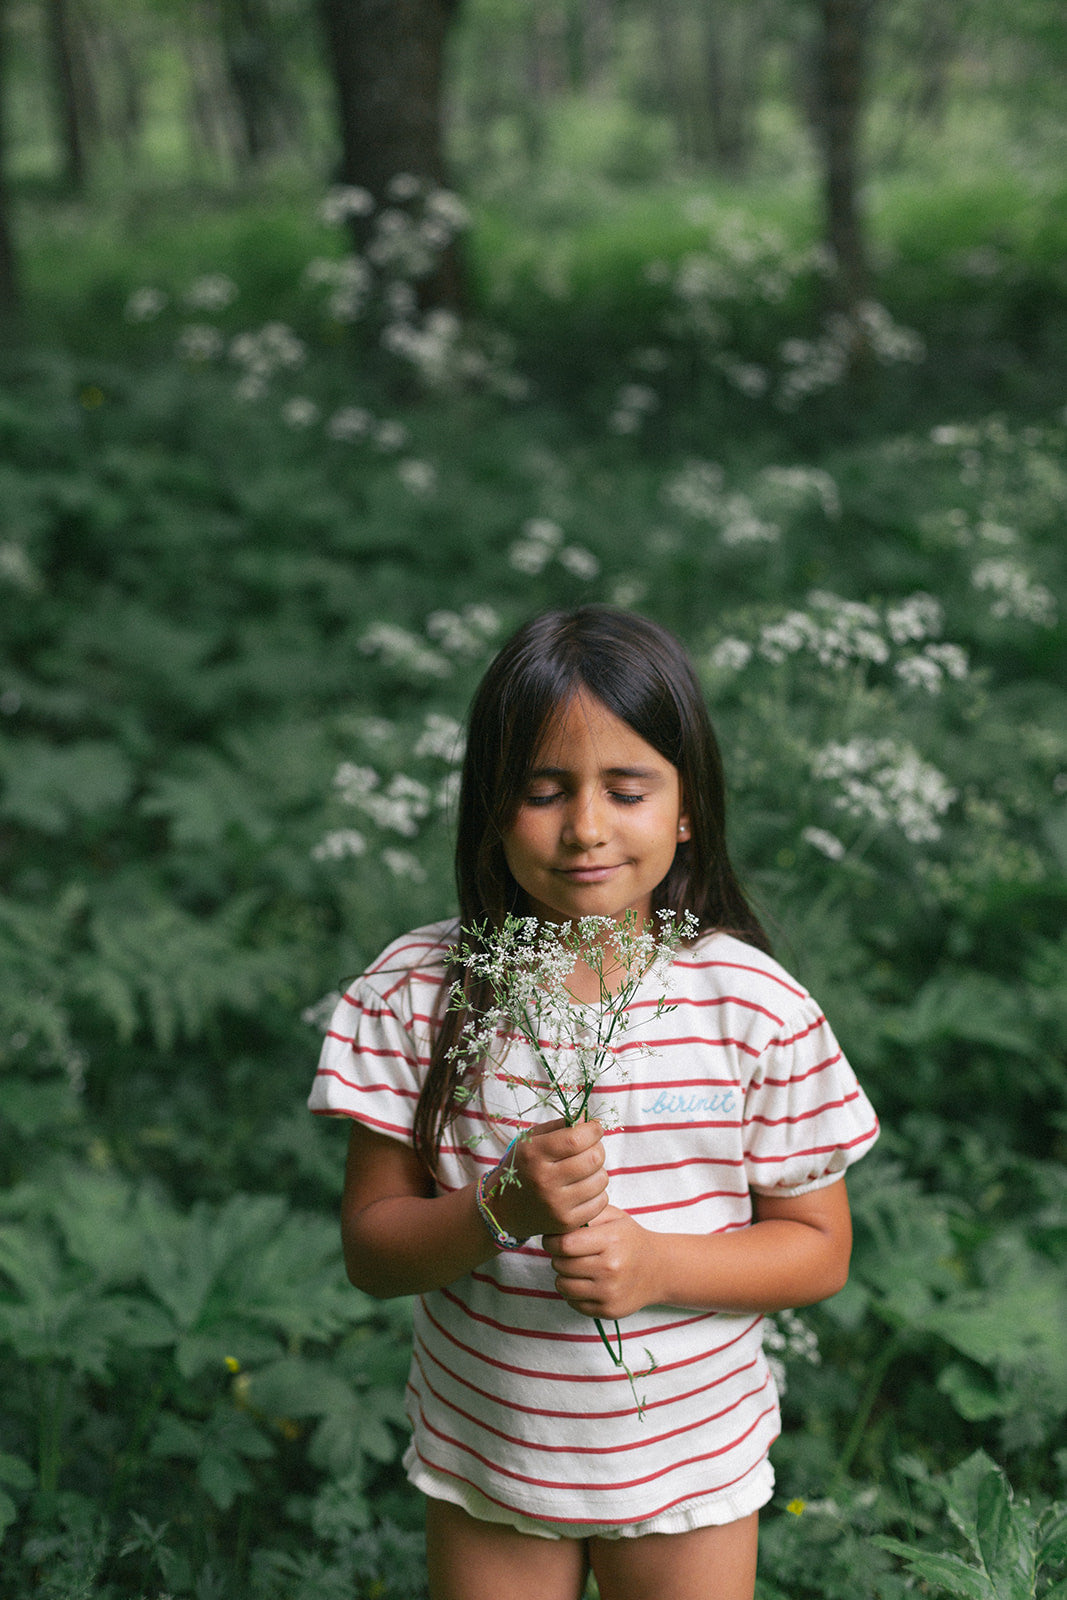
[606, 1268]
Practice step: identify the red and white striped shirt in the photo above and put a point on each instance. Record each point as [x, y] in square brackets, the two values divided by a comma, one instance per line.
[745, 1091]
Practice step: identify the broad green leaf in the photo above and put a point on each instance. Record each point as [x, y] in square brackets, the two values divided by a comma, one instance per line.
[998, 1539]
[947, 1571]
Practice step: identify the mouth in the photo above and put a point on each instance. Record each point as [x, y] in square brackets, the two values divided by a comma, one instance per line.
[597, 874]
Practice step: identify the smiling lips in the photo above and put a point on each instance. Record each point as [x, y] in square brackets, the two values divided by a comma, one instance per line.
[596, 874]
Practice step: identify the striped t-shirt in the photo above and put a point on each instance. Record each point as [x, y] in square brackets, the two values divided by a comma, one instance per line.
[745, 1090]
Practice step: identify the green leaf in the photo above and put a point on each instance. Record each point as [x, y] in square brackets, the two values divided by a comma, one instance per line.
[947, 1571]
[998, 1540]
[48, 786]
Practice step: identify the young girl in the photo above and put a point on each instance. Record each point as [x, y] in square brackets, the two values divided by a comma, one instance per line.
[592, 786]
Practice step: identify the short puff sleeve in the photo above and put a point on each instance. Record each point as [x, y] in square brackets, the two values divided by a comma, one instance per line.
[370, 1066]
[806, 1117]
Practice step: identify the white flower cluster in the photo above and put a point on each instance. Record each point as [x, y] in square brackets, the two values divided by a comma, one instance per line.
[199, 343]
[839, 633]
[339, 844]
[1016, 595]
[398, 808]
[786, 1338]
[262, 354]
[542, 542]
[466, 632]
[145, 305]
[634, 403]
[699, 490]
[442, 737]
[527, 965]
[401, 649]
[813, 365]
[888, 783]
[348, 281]
[212, 291]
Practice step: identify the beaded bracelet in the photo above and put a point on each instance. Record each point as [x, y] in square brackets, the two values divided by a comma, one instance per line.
[501, 1238]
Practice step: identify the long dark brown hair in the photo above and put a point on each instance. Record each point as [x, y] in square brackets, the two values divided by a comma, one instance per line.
[643, 676]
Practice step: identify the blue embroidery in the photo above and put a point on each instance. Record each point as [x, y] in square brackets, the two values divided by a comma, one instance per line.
[691, 1105]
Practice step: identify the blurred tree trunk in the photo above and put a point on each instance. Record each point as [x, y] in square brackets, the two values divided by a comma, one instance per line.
[387, 62]
[68, 93]
[838, 104]
[9, 298]
[263, 99]
[735, 38]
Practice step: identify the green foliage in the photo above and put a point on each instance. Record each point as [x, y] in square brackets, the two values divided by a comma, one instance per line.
[242, 633]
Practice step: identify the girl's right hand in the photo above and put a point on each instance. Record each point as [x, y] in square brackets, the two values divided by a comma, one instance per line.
[561, 1184]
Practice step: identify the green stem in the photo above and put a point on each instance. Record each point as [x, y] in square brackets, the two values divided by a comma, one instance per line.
[887, 1355]
[54, 1386]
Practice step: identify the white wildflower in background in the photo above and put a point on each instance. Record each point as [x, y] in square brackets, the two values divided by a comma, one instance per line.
[320, 1014]
[263, 352]
[920, 616]
[798, 486]
[349, 282]
[919, 672]
[300, 413]
[418, 477]
[441, 737]
[886, 782]
[17, 569]
[199, 343]
[399, 648]
[403, 186]
[740, 524]
[144, 305]
[349, 423]
[402, 864]
[212, 291]
[1016, 593]
[540, 541]
[786, 1338]
[579, 562]
[390, 436]
[633, 403]
[354, 782]
[696, 489]
[828, 844]
[446, 795]
[953, 661]
[339, 844]
[463, 633]
[344, 201]
[730, 655]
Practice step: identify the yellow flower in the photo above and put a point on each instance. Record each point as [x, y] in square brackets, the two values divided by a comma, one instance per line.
[796, 1507]
[232, 1364]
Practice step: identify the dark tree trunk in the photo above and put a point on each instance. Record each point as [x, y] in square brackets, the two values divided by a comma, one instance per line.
[387, 61]
[262, 96]
[734, 42]
[840, 88]
[9, 298]
[66, 92]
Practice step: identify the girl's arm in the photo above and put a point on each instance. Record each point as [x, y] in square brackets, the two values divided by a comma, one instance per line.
[400, 1237]
[795, 1252]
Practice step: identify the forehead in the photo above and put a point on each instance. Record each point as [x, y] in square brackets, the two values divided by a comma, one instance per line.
[584, 733]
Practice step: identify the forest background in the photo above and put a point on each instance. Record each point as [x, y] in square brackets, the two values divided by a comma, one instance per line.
[336, 341]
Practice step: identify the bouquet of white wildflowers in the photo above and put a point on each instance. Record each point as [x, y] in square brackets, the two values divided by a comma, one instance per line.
[526, 965]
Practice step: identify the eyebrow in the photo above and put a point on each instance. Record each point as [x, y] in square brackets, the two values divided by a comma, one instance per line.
[644, 774]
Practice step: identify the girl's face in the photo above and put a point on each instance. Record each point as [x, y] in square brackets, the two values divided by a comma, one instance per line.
[599, 821]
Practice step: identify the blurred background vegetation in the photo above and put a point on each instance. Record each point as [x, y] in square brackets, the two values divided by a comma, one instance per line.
[335, 340]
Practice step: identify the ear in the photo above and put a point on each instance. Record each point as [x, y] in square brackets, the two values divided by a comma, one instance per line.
[684, 829]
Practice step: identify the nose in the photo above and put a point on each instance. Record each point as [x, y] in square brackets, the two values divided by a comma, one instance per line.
[584, 825]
